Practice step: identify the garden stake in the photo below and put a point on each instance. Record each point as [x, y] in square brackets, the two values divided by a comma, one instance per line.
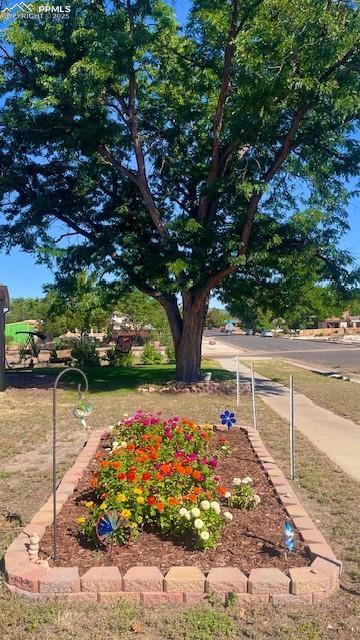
[54, 444]
[291, 421]
[253, 396]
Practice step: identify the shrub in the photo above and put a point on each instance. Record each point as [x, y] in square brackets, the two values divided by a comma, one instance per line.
[151, 355]
[118, 359]
[86, 355]
[243, 495]
[170, 354]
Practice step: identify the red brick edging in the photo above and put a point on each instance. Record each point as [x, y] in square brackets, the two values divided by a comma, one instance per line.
[147, 585]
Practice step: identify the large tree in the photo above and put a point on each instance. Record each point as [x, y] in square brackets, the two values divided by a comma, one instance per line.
[175, 157]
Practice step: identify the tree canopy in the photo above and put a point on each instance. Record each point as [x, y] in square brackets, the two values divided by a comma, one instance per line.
[172, 157]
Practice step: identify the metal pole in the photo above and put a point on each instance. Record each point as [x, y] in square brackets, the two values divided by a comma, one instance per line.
[237, 381]
[291, 423]
[54, 447]
[2, 349]
[253, 396]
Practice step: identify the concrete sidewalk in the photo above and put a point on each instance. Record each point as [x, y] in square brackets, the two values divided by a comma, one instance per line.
[337, 437]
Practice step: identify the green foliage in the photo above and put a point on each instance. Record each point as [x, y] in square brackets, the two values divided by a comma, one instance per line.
[170, 354]
[150, 355]
[86, 355]
[243, 495]
[118, 359]
[216, 318]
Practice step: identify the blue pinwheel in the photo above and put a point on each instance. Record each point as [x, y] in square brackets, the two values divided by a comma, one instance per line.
[228, 418]
[107, 525]
[289, 536]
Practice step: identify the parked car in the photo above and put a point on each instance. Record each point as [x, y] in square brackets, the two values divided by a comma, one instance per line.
[267, 334]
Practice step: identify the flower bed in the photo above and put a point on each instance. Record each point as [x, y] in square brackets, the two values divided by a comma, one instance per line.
[169, 482]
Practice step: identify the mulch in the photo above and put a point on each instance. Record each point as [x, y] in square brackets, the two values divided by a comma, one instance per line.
[253, 538]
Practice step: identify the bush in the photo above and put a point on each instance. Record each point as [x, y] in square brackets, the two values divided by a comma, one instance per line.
[243, 495]
[86, 355]
[170, 354]
[118, 359]
[151, 355]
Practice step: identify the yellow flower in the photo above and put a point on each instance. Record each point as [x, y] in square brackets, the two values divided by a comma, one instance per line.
[81, 520]
[138, 491]
[103, 506]
[89, 504]
[125, 513]
[121, 497]
[140, 500]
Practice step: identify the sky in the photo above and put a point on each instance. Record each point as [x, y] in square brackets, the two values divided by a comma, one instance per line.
[25, 278]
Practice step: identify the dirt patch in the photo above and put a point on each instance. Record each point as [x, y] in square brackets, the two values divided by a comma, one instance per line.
[252, 539]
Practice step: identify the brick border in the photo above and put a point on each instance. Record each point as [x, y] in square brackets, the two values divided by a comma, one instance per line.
[147, 585]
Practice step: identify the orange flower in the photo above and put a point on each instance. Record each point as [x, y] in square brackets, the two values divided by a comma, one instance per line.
[93, 482]
[192, 497]
[116, 464]
[197, 475]
[173, 501]
[131, 446]
[196, 490]
[104, 463]
[165, 468]
[159, 476]
[160, 507]
[187, 471]
[222, 491]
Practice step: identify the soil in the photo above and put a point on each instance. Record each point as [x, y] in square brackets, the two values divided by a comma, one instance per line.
[253, 539]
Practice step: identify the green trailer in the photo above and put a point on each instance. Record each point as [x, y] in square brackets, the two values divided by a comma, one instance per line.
[11, 329]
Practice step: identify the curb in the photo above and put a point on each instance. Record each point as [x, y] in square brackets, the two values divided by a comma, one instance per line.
[181, 584]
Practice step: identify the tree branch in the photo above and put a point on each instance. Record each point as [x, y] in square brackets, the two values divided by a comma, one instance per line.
[220, 109]
[142, 180]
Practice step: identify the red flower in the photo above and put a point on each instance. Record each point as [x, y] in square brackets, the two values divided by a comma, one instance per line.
[151, 500]
[146, 476]
[121, 476]
[131, 476]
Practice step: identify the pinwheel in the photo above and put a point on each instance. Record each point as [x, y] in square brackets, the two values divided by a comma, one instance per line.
[107, 525]
[289, 536]
[228, 418]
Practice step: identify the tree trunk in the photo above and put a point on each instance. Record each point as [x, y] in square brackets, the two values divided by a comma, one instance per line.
[187, 332]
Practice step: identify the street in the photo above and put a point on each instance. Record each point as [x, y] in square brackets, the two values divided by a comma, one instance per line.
[325, 355]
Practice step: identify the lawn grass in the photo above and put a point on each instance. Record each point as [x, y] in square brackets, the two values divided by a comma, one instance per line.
[330, 497]
[340, 396]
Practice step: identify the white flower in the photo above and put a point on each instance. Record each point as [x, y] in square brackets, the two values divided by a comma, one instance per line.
[215, 506]
[123, 444]
[236, 481]
[115, 444]
[227, 494]
[125, 415]
[111, 428]
[205, 505]
[187, 515]
[247, 480]
[257, 499]
[204, 535]
[195, 512]
[198, 523]
[229, 516]
[183, 511]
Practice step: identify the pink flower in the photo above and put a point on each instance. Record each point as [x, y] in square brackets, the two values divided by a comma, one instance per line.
[203, 460]
[213, 463]
[188, 437]
[191, 457]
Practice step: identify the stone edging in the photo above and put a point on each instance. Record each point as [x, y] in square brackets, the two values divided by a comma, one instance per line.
[306, 585]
